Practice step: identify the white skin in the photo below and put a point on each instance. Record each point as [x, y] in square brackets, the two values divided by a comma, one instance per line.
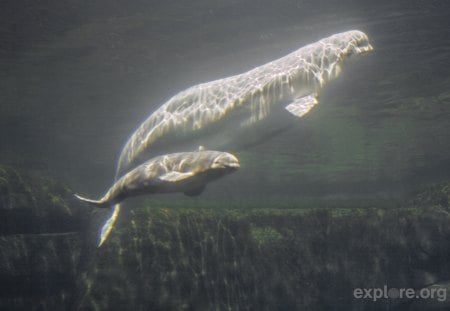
[179, 172]
[246, 99]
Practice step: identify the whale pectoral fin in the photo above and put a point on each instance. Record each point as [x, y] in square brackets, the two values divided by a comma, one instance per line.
[195, 192]
[175, 176]
[302, 106]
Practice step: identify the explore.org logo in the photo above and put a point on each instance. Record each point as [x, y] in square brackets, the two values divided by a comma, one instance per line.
[438, 293]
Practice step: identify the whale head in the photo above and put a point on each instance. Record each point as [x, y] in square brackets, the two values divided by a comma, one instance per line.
[331, 52]
[212, 164]
[357, 43]
[349, 43]
[207, 166]
[226, 161]
[206, 163]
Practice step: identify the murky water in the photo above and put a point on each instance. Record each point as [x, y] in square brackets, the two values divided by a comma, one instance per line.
[77, 79]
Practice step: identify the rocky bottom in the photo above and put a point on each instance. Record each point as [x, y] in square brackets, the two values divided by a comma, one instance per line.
[185, 258]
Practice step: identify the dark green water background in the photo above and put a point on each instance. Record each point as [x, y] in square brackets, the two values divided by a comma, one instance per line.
[77, 78]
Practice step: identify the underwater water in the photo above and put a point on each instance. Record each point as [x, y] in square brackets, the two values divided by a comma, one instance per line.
[353, 196]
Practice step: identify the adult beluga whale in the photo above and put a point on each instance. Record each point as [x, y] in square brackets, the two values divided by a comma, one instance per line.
[215, 114]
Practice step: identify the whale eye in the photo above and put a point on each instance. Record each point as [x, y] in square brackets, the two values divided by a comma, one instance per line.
[217, 163]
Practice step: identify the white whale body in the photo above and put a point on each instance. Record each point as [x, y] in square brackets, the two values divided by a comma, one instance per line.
[217, 113]
[187, 172]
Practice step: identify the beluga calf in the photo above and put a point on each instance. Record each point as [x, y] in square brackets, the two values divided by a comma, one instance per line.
[187, 172]
[217, 114]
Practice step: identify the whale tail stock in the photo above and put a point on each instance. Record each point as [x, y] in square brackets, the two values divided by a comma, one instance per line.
[110, 222]
[96, 203]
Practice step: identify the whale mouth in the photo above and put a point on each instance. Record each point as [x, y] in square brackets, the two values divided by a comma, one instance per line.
[233, 165]
[357, 49]
[364, 48]
[362, 44]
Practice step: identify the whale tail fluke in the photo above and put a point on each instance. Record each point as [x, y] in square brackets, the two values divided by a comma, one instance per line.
[96, 203]
[109, 225]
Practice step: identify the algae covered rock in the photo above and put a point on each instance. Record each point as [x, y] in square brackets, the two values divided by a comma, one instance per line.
[190, 257]
[41, 242]
[267, 259]
[437, 194]
[36, 204]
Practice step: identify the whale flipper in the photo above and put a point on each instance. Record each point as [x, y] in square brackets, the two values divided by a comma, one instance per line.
[175, 176]
[302, 105]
